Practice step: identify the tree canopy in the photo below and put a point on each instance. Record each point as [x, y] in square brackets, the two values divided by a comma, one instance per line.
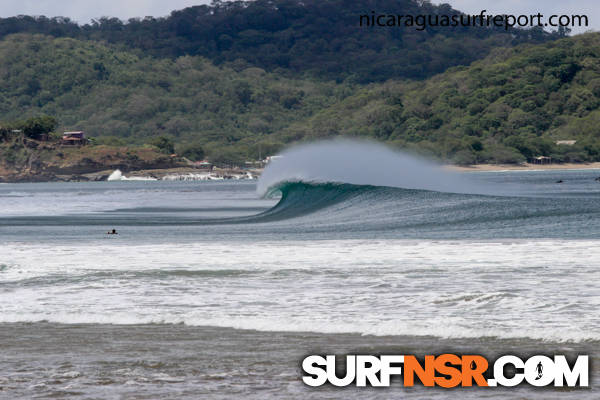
[121, 98]
[512, 106]
[320, 38]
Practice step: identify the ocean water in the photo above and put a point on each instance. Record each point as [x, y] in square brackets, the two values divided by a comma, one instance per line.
[211, 290]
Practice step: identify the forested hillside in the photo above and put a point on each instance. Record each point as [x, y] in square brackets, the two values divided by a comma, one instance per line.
[513, 105]
[322, 39]
[121, 97]
[240, 80]
[510, 106]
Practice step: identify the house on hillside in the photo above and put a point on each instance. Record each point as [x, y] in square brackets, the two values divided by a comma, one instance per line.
[541, 160]
[565, 142]
[203, 165]
[76, 138]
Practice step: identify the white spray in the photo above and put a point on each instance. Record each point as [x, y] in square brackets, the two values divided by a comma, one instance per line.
[362, 163]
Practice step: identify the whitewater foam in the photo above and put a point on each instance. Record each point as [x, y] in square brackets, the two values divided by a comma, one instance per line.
[117, 175]
[386, 287]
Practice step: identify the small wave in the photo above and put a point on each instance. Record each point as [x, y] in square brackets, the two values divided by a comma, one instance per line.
[117, 175]
[67, 279]
[440, 327]
[206, 177]
[192, 177]
[474, 298]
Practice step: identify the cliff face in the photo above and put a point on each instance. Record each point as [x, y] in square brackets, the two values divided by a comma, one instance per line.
[34, 161]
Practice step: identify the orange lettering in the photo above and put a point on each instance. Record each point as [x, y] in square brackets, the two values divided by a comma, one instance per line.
[473, 368]
[412, 367]
[454, 376]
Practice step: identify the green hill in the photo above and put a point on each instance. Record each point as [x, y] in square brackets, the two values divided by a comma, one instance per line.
[513, 105]
[120, 97]
[320, 38]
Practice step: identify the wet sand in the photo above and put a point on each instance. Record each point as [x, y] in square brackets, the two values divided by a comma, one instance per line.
[101, 361]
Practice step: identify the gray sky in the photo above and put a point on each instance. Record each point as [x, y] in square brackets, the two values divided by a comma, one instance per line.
[84, 10]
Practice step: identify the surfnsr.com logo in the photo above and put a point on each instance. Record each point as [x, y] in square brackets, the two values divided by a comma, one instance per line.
[446, 370]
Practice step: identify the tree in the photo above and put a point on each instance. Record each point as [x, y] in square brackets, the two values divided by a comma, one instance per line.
[163, 144]
[226, 157]
[464, 157]
[36, 127]
[192, 152]
[243, 92]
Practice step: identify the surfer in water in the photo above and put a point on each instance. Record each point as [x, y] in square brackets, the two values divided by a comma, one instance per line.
[113, 232]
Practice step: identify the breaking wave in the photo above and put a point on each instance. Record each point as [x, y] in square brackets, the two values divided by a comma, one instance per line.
[117, 175]
[362, 163]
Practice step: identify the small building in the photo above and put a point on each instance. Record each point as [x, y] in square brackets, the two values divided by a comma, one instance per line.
[76, 138]
[541, 160]
[203, 165]
[565, 142]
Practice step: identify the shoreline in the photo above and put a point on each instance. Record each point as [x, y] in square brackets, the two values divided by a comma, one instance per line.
[522, 167]
[237, 173]
[171, 173]
[83, 361]
[187, 173]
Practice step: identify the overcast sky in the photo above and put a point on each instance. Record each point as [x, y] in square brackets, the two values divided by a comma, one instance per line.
[84, 10]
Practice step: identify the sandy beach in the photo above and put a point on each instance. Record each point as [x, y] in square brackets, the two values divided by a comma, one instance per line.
[522, 167]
